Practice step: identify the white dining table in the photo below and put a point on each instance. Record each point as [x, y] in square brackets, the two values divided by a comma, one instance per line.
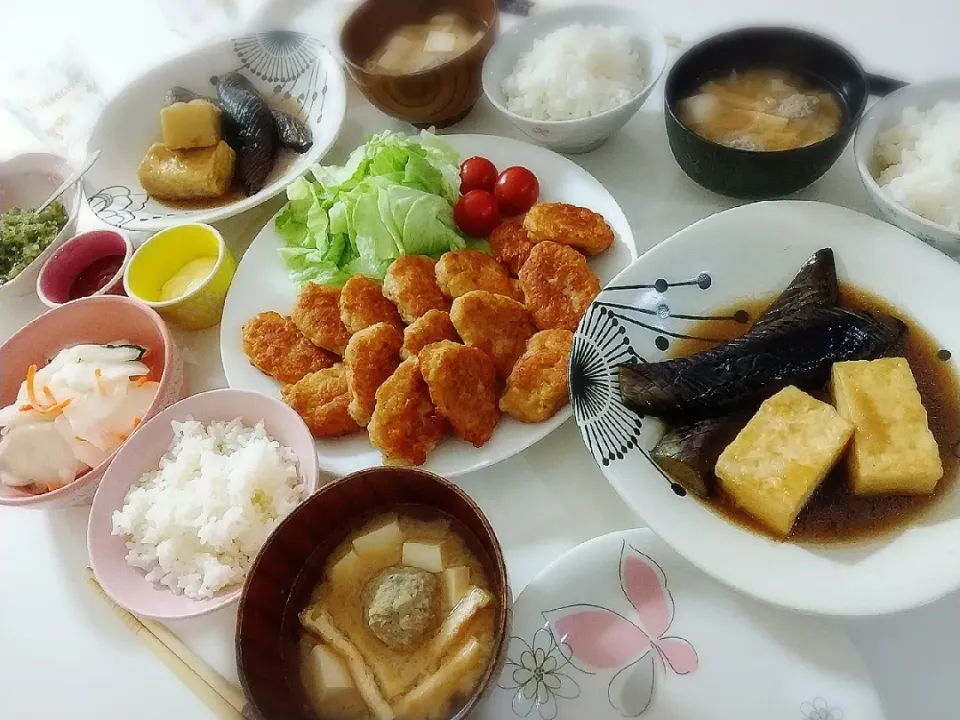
[63, 654]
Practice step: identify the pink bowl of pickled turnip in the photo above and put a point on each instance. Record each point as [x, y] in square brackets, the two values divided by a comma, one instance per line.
[70, 379]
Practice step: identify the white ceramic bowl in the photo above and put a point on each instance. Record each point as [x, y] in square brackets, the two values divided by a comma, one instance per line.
[291, 71]
[574, 136]
[26, 181]
[886, 113]
[753, 251]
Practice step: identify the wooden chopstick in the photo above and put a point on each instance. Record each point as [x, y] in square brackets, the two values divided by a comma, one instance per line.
[221, 696]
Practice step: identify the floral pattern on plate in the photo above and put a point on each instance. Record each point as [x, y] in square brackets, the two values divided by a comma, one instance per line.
[622, 627]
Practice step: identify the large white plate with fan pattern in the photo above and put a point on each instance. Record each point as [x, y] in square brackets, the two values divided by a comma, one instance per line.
[740, 255]
[292, 71]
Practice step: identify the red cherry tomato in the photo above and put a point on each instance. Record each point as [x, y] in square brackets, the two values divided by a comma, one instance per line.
[477, 173]
[477, 213]
[517, 190]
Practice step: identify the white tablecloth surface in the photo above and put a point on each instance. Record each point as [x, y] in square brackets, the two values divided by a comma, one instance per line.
[63, 654]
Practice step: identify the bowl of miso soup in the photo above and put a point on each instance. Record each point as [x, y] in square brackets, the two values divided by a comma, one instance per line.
[420, 60]
[762, 112]
[384, 595]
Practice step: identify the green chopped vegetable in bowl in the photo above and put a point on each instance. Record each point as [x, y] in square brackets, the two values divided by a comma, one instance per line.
[394, 196]
[25, 234]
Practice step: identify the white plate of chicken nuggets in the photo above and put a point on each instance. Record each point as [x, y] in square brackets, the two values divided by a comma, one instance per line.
[833, 492]
[452, 363]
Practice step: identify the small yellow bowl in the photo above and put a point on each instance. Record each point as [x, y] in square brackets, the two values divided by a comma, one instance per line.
[163, 255]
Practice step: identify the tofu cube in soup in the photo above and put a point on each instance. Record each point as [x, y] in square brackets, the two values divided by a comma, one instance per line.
[426, 556]
[456, 582]
[195, 124]
[381, 545]
[326, 678]
[781, 456]
[893, 450]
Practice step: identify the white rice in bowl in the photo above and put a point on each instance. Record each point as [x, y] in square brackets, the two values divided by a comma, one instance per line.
[196, 524]
[575, 72]
[919, 161]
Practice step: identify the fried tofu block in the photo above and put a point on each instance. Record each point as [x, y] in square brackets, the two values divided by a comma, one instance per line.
[893, 450]
[578, 227]
[194, 124]
[781, 456]
[199, 174]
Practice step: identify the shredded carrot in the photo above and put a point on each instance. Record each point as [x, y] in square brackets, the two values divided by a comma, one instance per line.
[142, 380]
[31, 375]
[56, 409]
[49, 394]
[137, 421]
[25, 408]
[96, 375]
[122, 436]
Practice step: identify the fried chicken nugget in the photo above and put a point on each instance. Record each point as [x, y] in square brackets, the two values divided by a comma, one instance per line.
[370, 358]
[537, 387]
[317, 314]
[430, 328]
[321, 399]
[495, 324]
[460, 271]
[411, 285]
[405, 426]
[275, 347]
[510, 244]
[578, 227]
[558, 285]
[463, 387]
[362, 304]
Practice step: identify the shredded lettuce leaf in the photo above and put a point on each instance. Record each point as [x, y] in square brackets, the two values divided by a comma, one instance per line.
[393, 196]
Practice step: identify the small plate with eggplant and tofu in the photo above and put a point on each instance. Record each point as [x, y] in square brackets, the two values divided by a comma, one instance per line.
[774, 390]
[215, 132]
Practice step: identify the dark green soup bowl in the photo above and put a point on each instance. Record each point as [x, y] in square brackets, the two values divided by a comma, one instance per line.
[754, 175]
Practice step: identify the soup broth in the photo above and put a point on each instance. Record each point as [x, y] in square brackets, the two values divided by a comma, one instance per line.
[833, 513]
[761, 110]
[402, 621]
[421, 46]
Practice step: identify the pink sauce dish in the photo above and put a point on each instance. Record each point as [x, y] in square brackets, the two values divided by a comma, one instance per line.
[89, 264]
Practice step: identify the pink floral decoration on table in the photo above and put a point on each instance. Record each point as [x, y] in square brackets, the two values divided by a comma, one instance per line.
[600, 639]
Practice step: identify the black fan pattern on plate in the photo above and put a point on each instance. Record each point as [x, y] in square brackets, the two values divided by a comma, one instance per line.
[608, 427]
[602, 342]
[280, 56]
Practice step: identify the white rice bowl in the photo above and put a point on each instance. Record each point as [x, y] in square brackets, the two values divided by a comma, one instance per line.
[196, 524]
[575, 72]
[919, 161]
